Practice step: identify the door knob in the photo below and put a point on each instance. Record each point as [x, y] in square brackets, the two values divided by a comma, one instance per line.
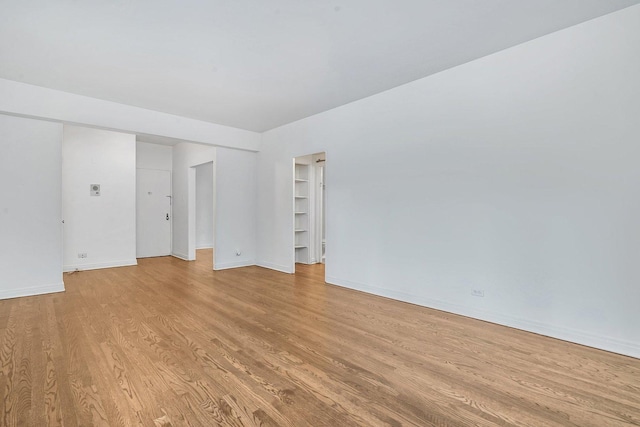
[167, 217]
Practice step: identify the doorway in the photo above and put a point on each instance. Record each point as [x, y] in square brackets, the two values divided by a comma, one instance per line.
[321, 224]
[204, 206]
[153, 213]
[309, 208]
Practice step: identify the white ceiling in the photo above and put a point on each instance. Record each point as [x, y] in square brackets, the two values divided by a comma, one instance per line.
[258, 64]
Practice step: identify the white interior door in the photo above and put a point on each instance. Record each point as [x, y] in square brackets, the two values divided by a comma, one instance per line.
[153, 213]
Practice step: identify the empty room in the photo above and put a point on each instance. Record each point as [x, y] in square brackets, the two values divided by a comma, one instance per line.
[314, 213]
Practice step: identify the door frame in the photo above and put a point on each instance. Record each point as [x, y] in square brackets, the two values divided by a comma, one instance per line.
[191, 209]
[319, 209]
[326, 206]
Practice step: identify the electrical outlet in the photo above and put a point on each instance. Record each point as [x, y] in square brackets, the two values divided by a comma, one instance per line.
[477, 292]
[82, 255]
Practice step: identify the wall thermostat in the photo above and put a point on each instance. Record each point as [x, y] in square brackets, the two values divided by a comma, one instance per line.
[94, 189]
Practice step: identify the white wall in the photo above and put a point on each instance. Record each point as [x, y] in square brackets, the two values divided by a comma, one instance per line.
[30, 207]
[154, 156]
[103, 227]
[38, 102]
[235, 209]
[234, 203]
[516, 174]
[204, 206]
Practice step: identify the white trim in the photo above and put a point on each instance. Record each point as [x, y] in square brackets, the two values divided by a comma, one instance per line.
[31, 291]
[152, 256]
[626, 348]
[227, 265]
[277, 267]
[209, 246]
[99, 265]
[180, 256]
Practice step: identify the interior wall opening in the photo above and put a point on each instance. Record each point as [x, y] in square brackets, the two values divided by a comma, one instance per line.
[309, 209]
[204, 206]
[201, 211]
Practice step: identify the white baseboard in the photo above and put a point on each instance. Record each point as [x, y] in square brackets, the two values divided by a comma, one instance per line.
[209, 246]
[237, 264]
[626, 348]
[151, 256]
[99, 265]
[271, 266]
[31, 291]
[180, 256]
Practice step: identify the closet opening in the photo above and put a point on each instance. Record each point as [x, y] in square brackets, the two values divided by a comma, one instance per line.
[309, 209]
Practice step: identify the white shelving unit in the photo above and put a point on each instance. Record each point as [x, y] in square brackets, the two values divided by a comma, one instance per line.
[301, 212]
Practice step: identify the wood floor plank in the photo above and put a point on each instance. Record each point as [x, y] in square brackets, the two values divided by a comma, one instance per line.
[172, 343]
[38, 364]
[10, 363]
[57, 388]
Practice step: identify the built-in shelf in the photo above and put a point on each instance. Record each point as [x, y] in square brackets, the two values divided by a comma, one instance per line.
[301, 177]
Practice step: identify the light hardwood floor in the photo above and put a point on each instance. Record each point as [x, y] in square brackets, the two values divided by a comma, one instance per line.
[171, 343]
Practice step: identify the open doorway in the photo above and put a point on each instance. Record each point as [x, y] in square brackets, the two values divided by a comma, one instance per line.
[321, 224]
[309, 207]
[201, 212]
[204, 207]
